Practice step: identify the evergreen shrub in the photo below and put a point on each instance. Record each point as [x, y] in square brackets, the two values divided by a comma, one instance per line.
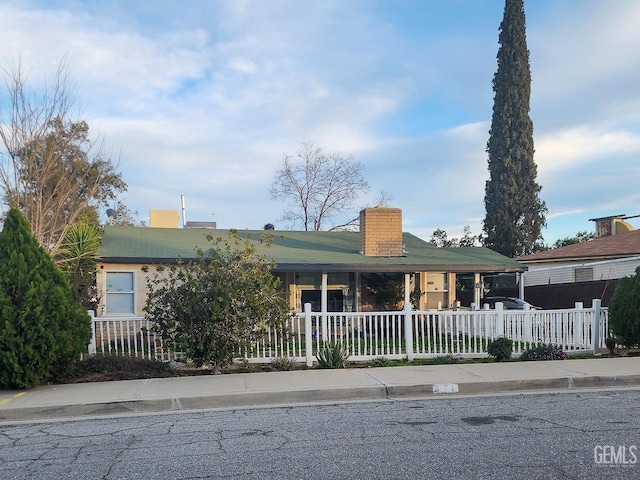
[624, 310]
[43, 327]
[500, 348]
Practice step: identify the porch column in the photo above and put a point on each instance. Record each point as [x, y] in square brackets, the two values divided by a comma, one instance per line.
[323, 306]
[451, 289]
[407, 288]
[356, 292]
[308, 334]
[408, 317]
[477, 287]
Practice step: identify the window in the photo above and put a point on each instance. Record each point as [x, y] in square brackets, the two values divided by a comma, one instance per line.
[583, 274]
[120, 294]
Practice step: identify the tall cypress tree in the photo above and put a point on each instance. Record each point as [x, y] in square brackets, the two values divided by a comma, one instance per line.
[515, 214]
[43, 327]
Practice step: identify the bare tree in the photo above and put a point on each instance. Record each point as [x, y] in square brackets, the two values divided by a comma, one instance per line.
[50, 170]
[383, 200]
[318, 187]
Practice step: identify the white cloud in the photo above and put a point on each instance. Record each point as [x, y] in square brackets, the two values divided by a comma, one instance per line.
[205, 98]
[567, 149]
[470, 132]
[584, 63]
[243, 65]
[128, 67]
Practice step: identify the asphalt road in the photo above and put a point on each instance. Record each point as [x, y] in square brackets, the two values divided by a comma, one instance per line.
[540, 436]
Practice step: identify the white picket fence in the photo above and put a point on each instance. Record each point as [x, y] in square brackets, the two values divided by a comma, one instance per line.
[393, 335]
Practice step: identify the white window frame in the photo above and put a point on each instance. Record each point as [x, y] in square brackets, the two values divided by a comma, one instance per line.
[132, 292]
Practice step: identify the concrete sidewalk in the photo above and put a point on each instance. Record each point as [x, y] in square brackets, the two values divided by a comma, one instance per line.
[312, 386]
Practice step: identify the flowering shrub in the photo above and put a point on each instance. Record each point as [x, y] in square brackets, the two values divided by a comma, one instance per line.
[544, 352]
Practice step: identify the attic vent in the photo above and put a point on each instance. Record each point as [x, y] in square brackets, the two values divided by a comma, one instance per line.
[583, 274]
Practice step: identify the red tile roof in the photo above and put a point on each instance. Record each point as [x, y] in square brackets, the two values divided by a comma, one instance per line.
[615, 246]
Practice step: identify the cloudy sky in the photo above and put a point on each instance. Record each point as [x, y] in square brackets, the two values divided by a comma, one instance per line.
[203, 98]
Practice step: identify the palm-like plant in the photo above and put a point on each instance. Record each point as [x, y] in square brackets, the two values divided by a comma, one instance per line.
[76, 258]
[332, 355]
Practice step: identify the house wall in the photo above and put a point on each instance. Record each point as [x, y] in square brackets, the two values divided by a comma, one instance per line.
[566, 272]
[436, 287]
[437, 291]
[560, 285]
[139, 282]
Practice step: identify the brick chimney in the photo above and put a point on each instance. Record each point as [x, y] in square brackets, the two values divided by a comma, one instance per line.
[381, 232]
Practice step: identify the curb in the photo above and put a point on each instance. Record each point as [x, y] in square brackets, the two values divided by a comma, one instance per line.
[328, 395]
[229, 401]
[507, 386]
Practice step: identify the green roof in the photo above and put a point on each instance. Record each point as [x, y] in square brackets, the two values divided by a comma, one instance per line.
[299, 251]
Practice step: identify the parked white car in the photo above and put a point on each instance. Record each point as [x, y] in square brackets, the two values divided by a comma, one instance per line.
[509, 303]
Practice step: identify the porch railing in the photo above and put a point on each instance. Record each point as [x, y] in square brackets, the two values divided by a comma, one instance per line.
[393, 335]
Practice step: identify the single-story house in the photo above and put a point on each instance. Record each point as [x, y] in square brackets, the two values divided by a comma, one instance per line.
[583, 271]
[334, 271]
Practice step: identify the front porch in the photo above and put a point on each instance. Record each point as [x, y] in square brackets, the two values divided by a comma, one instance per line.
[362, 291]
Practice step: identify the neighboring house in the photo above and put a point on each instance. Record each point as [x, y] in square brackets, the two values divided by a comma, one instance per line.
[334, 271]
[583, 271]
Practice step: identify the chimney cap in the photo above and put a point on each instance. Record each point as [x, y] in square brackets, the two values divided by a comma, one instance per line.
[611, 217]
